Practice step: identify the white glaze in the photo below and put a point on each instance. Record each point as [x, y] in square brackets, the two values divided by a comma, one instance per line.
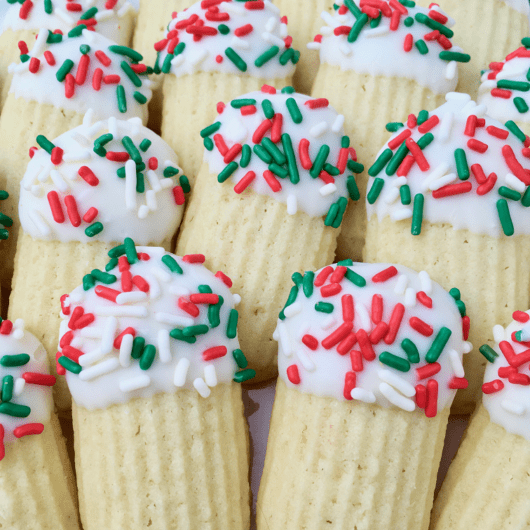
[181, 364]
[37, 397]
[309, 195]
[322, 372]
[115, 23]
[510, 407]
[44, 87]
[121, 215]
[468, 211]
[519, 5]
[379, 51]
[268, 30]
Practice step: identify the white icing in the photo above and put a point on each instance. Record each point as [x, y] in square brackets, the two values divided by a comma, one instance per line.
[177, 364]
[469, 211]
[380, 51]
[268, 30]
[122, 214]
[115, 24]
[44, 87]
[510, 407]
[519, 5]
[500, 108]
[37, 397]
[323, 371]
[311, 195]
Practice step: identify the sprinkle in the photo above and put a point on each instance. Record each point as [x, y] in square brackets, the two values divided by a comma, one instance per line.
[293, 374]
[492, 387]
[385, 275]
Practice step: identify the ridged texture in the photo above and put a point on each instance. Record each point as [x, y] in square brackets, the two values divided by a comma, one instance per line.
[37, 486]
[44, 271]
[21, 122]
[488, 485]
[492, 275]
[304, 23]
[345, 466]
[368, 103]
[171, 462]
[189, 106]
[259, 245]
[488, 30]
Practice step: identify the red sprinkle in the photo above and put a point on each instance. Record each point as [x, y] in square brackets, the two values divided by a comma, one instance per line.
[72, 353]
[259, 133]
[25, 9]
[243, 30]
[318, 103]
[66, 339]
[356, 358]
[293, 375]
[55, 207]
[379, 332]
[126, 281]
[519, 379]
[28, 428]
[350, 380]
[204, 298]
[276, 131]
[478, 173]
[188, 307]
[492, 386]
[72, 211]
[330, 290]
[426, 126]
[310, 341]
[272, 181]
[322, 276]
[33, 378]
[488, 185]
[421, 396]
[385, 275]
[514, 165]
[431, 407]
[214, 353]
[119, 338]
[476, 145]
[34, 65]
[224, 278]
[117, 156]
[347, 344]
[338, 274]
[194, 258]
[178, 195]
[267, 89]
[232, 153]
[23, 47]
[394, 323]
[220, 144]
[107, 293]
[399, 139]
[458, 383]
[506, 371]
[90, 215]
[521, 316]
[418, 155]
[64, 308]
[501, 93]
[82, 69]
[405, 166]
[420, 326]
[347, 308]
[96, 79]
[427, 371]
[103, 58]
[423, 299]
[408, 42]
[140, 283]
[452, 189]
[303, 151]
[497, 132]
[337, 336]
[377, 308]
[69, 86]
[6, 327]
[365, 345]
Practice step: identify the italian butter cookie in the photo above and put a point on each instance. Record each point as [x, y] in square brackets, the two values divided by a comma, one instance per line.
[449, 194]
[379, 64]
[488, 30]
[370, 357]
[270, 197]
[219, 49]
[22, 23]
[36, 481]
[81, 195]
[53, 89]
[505, 85]
[153, 373]
[488, 484]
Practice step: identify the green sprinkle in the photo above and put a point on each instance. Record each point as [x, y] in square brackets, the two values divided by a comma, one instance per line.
[236, 59]
[112, 264]
[376, 21]
[375, 190]
[15, 360]
[268, 109]
[7, 388]
[3, 195]
[505, 217]
[122, 100]
[279, 171]
[355, 278]
[205, 289]
[88, 282]
[307, 283]
[53, 38]
[48, 7]
[404, 193]
[179, 48]
[267, 56]
[116, 252]
[509, 193]
[292, 165]
[320, 160]
[231, 328]
[342, 203]
[413, 355]
[380, 163]
[101, 141]
[394, 126]
[89, 13]
[84, 48]
[244, 375]
[438, 344]
[148, 356]
[140, 183]
[45, 143]
[324, 307]
[171, 264]
[520, 105]
[211, 129]
[298, 279]
[293, 293]
[461, 307]
[103, 277]
[170, 171]
[184, 183]
[357, 27]
[288, 90]
[138, 347]
[5, 220]
[454, 56]
[287, 55]
[425, 140]
[462, 167]
[332, 170]
[246, 154]
[345, 142]
[127, 52]
[409, 21]
[422, 47]
[208, 144]
[130, 250]
[94, 229]
[240, 358]
[227, 172]
[526, 42]
[355, 167]
[488, 352]
[332, 214]
[353, 7]
[214, 313]
[294, 110]
[514, 129]
[4, 234]
[526, 198]
[223, 29]
[239, 103]
[433, 24]
[417, 214]
[145, 144]
[345, 263]
[129, 146]
[69, 365]
[263, 154]
[423, 116]
[77, 31]
[521, 86]
[353, 190]
[273, 150]
[455, 293]
[398, 363]
[178, 335]
[131, 74]
[394, 164]
[19, 411]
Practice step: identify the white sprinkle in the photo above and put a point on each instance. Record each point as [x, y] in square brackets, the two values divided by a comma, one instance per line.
[439, 183]
[377, 32]
[37, 191]
[364, 317]
[284, 340]
[319, 129]
[466, 347]
[328, 189]
[397, 382]
[328, 322]
[396, 398]
[109, 332]
[498, 333]
[77, 156]
[456, 363]
[78, 137]
[174, 320]
[273, 39]
[210, 376]
[91, 357]
[64, 16]
[164, 350]
[130, 185]
[179, 290]
[401, 284]
[197, 58]
[45, 173]
[135, 383]
[161, 274]
[446, 125]
[91, 332]
[515, 183]
[450, 70]
[314, 45]
[153, 180]
[167, 183]
[150, 199]
[201, 387]
[77, 342]
[235, 9]
[363, 395]
[19, 386]
[237, 299]
[275, 335]
[292, 204]
[425, 282]
[410, 297]
[39, 222]
[338, 124]
[154, 287]
[18, 334]
[126, 349]
[293, 309]
[121, 311]
[400, 214]
[400, 181]
[239, 43]
[181, 371]
[486, 84]
[271, 24]
[40, 44]
[345, 49]
[112, 124]
[392, 195]
[59, 181]
[329, 20]
[97, 370]
[125, 9]
[307, 363]
[511, 406]
[177, 61]
[104, 15]
[525, 333]
[284, 32]
[94, 129]
[17, 68]
[131, 297]
[435, 174]
[143, 211]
